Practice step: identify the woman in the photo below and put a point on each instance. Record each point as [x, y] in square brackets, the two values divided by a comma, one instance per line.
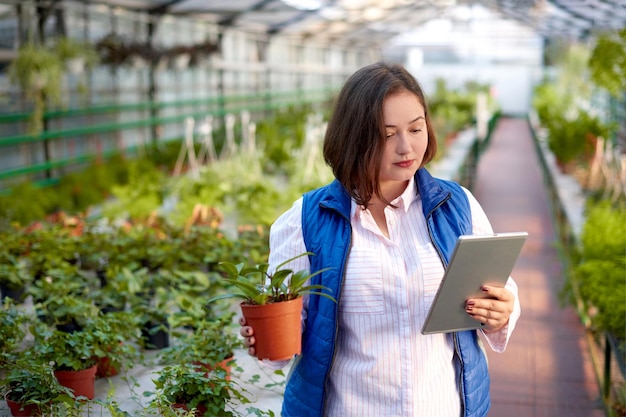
[386, 228]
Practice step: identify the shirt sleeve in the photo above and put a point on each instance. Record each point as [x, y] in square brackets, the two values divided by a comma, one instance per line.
[497, 341]
[286, 242]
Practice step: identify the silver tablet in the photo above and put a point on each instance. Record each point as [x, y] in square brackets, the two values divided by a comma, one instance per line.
[475, 261]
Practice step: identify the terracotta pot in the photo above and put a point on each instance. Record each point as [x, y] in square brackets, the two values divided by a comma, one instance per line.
[277, 328]
[82, 383]
[26, 411]
[200, 409]
[225, 365]
[106, 368]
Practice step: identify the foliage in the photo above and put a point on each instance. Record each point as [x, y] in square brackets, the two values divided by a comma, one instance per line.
[571, 140]
[201, 246]
[30, 380]
[210, 342]
[252, 245]
[563, 104]
[61, 298]
[115, 336]
[24, 204]
[141, 196]
[12, 330]
[67, 49]
[608, 62]
[256, 286]
[600, 273]
[453, 110]
[68, 351]
[280, 135]
[77, 192]
[38, 72]
[13, 268]
[112, 335]
[195, 387]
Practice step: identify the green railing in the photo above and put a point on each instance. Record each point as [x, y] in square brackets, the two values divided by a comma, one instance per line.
[218, 107]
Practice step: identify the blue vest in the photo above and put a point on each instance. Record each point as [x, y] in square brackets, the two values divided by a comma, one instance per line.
[327, 233]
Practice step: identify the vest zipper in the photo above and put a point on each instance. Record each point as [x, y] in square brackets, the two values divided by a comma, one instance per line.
[343, 276]
[457, 351]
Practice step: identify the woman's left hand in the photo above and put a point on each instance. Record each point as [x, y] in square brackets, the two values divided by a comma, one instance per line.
[494, 310]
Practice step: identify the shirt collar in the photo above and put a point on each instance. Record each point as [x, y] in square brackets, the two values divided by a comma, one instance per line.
[403, 201]
[409, 195]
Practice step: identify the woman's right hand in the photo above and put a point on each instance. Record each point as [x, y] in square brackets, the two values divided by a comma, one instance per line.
[247, 332]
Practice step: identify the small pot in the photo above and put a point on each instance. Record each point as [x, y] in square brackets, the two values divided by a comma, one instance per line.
[155, 339]
[106, 368]
[16, 294]
[82, 382]
[277, 328]
[200, 409]
[17, 410]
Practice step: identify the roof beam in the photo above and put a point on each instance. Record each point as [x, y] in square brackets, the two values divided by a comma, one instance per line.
[230, 20]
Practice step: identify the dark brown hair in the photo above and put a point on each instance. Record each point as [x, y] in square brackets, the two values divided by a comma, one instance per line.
[355, 137]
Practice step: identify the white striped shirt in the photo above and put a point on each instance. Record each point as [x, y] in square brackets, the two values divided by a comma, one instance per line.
[383, 365]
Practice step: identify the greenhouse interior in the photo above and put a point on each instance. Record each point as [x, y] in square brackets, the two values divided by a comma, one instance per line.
[148, 146]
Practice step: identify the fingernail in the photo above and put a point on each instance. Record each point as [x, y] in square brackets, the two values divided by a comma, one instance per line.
[484, 288]
[470, 303]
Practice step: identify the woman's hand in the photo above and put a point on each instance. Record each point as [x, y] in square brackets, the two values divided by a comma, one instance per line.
[494, 310]
[247, 332]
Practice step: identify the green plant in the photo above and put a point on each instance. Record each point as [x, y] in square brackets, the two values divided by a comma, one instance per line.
[256, 286]
[13, 321]
[190, 291]
[68, 351]
[38, 72]
[201, 247]
[31, 381]
[68, 49]
[24, 204]
[209, 342]
[115, 337]
[573, 139]
[141, 196]
[14, 272]
[600, 272]
[608, 62]
[62, 298]
[119, 285]
[193, 387]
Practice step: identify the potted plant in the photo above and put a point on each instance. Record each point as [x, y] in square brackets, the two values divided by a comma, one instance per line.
[118, 286]
[116, 335]
[13, 321]
[61, 298]
[14, 274]
[72, 354]
[210, 344]
[272, 304]
[76, 55]
[152, 305]
[31, 389]
[38, 72]
[190, 387]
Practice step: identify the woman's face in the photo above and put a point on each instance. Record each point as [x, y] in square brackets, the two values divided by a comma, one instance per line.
[406, 141]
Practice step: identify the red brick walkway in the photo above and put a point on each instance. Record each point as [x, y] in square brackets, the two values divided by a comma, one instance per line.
[546, 370]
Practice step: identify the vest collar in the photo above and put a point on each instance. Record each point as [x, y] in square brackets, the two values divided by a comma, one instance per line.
[431, 193]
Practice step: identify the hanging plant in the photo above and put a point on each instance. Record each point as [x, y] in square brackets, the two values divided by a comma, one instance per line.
[38, 73]
[608, 62]
[76, 55]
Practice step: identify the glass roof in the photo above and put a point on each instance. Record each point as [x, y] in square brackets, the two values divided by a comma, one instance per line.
[376, 21]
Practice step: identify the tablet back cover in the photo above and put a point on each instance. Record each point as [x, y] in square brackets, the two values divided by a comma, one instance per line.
[476, 261]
